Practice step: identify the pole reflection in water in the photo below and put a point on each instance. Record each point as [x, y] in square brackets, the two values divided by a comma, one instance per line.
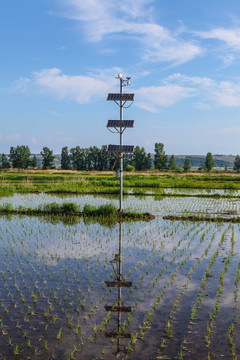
[117, 308]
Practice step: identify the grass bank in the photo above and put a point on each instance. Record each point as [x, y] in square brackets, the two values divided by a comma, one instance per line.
[71, 209]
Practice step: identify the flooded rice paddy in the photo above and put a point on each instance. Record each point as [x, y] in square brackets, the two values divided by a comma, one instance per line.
[136, 290]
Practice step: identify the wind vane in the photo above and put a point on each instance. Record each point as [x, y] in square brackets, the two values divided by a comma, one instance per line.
[120, 125]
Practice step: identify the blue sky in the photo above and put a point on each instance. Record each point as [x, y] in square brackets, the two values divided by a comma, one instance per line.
[59, 59]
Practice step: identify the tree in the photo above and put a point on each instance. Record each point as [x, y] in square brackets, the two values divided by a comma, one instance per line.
[48, 158]
[34, 162]
[130, 168]
[103, 158]
[78, 157]
[160, 158]
[20, 157]
[139, 158]
[237, 163]
[5, 162]
[93, 158]
[112, 163]
[88, 156]
[65, 159]
[187, 165]
[172, 163]
[149, 161]
[209, 163]
[127, 160]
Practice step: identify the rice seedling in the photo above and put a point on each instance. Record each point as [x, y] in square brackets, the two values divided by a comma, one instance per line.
[59, 334]
[16, 350]
[82, 251]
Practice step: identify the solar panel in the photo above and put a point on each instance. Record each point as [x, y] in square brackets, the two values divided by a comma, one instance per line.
[121, 148]
[120, 123]
[119, 97]
[115, 308]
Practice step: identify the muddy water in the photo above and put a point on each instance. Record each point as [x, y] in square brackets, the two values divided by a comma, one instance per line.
[55, 296]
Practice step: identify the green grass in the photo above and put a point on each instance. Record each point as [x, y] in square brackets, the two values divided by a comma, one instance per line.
[202, 218]
[102, 210]
[92, 183]
[65, 208]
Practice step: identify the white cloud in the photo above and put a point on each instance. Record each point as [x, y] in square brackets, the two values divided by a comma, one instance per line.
[154, 97]
[173, 89]
[34, 140]
[55, 113]
[101, 18]
[18, 139]
[160, 45]
[229, 131]
[207, 92]
[72, 87]
[227, 59]
[21, 85]
[227, 94]
[14, 137]
[61, 48]
[203, 106]
[85, 89]
[231, 37]
[79, 88]
[10, 138]
[193, 80]
[222, 93]
[59, 138]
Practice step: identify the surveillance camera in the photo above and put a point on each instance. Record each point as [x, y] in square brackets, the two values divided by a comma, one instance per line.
[128, 78]
[120, 76]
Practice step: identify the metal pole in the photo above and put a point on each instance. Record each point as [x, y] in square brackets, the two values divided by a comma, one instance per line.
[120, 279]
[121, 154]
[120, 256]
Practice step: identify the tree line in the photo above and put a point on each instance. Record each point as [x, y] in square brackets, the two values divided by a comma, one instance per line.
[94, 158]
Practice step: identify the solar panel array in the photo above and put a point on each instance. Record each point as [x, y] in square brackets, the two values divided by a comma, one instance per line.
[119, 97]
[120, 123]
[121, 148]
